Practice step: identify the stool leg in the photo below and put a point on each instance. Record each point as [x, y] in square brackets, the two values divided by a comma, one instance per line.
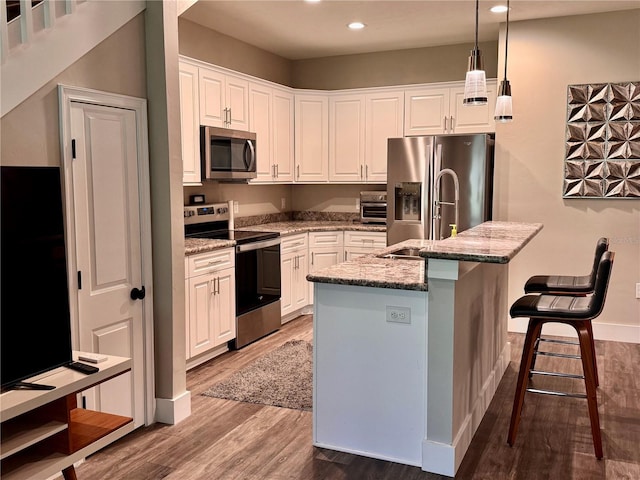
[535, 353]
[588, 358]
[593, 349]
[533, 332]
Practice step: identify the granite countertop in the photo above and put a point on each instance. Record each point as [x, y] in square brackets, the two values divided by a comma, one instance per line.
[193, 246]
[490, 242]
[302, 226]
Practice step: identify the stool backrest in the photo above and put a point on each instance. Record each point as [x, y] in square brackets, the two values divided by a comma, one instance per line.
[601, 247]
[602, 282]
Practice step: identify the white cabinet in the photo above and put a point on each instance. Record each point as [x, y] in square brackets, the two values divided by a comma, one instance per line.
[384, 120]
[224, 99]
[359, 127]
[357, 244]
[325, 249]
[189, 123]
[211, 296]
[346, 138]
[294, 269]
[311, 138]
[438, 109]
[271, 118]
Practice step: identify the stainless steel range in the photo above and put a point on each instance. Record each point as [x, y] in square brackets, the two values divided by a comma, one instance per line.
[257, 270]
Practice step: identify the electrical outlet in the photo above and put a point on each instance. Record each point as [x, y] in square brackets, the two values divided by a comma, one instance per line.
[357, 204]
[235, 207]
[283, 203]
[398, 314]
[637, 290]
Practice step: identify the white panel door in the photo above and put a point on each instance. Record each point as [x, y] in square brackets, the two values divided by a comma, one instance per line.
[237, 100]
[346, 138]
[385, 120]
[201, 304]
[287, 270]
[212, 98]
[426, 111]
[108, 249]
[321, 258]
[190, 123]
[260, 123]
[473, 118]
[224, 324]
[282, 128]
[311, 138]
[300, 284]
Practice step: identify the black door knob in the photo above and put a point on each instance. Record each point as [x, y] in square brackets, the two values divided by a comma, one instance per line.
[137, 294]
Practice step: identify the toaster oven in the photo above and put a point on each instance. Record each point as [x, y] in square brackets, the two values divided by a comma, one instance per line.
[373, 207]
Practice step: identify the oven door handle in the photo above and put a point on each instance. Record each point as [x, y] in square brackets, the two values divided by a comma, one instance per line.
[247, 247]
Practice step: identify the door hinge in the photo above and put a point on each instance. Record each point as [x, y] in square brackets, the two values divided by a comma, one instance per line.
[79, 280]
[73, 148]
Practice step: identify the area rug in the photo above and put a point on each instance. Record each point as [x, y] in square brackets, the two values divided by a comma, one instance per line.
[282, 378]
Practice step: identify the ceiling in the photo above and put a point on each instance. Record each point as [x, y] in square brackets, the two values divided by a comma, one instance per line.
[296, 29]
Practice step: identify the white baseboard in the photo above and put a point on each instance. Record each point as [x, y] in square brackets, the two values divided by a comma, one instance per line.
[173, 410]
[445, 459]
[601, 331]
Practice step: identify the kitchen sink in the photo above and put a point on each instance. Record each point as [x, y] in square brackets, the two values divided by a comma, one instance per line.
[407, 253]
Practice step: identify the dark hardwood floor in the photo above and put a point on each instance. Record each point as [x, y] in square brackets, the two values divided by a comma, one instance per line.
[224, 439]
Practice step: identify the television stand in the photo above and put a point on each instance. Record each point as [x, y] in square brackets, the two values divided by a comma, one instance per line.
[29, 386]
[44, 432]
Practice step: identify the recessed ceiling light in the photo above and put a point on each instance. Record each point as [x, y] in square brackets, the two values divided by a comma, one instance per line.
[312, 1]
[356, 25]
[499, 9]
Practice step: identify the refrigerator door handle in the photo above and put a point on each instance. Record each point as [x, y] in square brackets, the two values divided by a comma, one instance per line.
[435, 208]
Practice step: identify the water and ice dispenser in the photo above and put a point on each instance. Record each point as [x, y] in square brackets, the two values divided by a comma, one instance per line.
[408, 201]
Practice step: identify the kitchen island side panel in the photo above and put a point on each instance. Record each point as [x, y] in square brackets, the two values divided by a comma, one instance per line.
[369, 374]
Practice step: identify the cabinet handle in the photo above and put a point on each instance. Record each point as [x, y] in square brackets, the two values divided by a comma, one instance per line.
[366, 172]
[229, 116]
[311, 258]
[345, 255]
[445, 124]
[273, 171]
[215, 262]
[277, 173]
[452, 122]
[361, 171]
[298, 171]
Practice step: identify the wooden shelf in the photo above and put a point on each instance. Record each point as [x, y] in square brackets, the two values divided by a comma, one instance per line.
[43, 432]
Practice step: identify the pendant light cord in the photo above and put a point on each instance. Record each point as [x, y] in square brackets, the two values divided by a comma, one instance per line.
[506, 43]
[477, 9]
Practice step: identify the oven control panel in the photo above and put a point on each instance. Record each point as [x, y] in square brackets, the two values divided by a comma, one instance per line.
[214, 212]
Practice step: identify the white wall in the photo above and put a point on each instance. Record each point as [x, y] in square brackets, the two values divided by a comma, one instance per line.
[545, 56]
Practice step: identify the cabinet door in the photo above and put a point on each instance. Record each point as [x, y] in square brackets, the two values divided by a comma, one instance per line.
[426, 111]
[224, 310]
[385, 119]
[260, 102]
[473, 118]
[301, 286]
[311, 138]
[189, 123]
[287, 263]
[323, 257]
[346, 138]
[283, 131]
[351, 252]
[212, 98]
[201, 333]
[237, 101]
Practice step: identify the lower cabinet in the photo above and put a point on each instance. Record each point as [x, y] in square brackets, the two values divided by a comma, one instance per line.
[211, 318]
[325, 249]
[357, 244]
[294, 268]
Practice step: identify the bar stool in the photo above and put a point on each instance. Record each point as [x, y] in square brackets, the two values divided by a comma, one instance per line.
[576, 311]
[566, 285]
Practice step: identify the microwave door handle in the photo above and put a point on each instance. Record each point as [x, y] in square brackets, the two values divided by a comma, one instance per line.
[250, 159]
[205, 152]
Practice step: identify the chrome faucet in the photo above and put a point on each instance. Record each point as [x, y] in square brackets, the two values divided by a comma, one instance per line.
[437, 202]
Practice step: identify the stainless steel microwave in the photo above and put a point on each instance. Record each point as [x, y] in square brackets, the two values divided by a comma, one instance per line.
[227, 155]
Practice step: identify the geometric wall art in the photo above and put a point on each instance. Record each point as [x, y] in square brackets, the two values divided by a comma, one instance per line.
[602, 155]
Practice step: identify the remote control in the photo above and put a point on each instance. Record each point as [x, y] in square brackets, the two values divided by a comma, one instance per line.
[82, 367]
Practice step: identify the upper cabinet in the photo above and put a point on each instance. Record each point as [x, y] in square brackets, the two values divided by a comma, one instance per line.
[224, 100]
[311, 138]
[271, 118]
[190, 123]
[434, 110]
[359, 127]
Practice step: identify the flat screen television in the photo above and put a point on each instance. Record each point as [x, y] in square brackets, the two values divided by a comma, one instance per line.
[35, 325]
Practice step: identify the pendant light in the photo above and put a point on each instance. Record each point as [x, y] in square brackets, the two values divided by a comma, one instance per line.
[475, 85]
[504, 105]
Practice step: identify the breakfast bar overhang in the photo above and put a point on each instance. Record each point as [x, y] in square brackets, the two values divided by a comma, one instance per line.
[408, 353]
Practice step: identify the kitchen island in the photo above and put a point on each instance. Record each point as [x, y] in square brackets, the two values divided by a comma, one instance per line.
[409, 351]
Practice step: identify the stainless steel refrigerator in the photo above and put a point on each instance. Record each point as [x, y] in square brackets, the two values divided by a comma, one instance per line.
[423, 175]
